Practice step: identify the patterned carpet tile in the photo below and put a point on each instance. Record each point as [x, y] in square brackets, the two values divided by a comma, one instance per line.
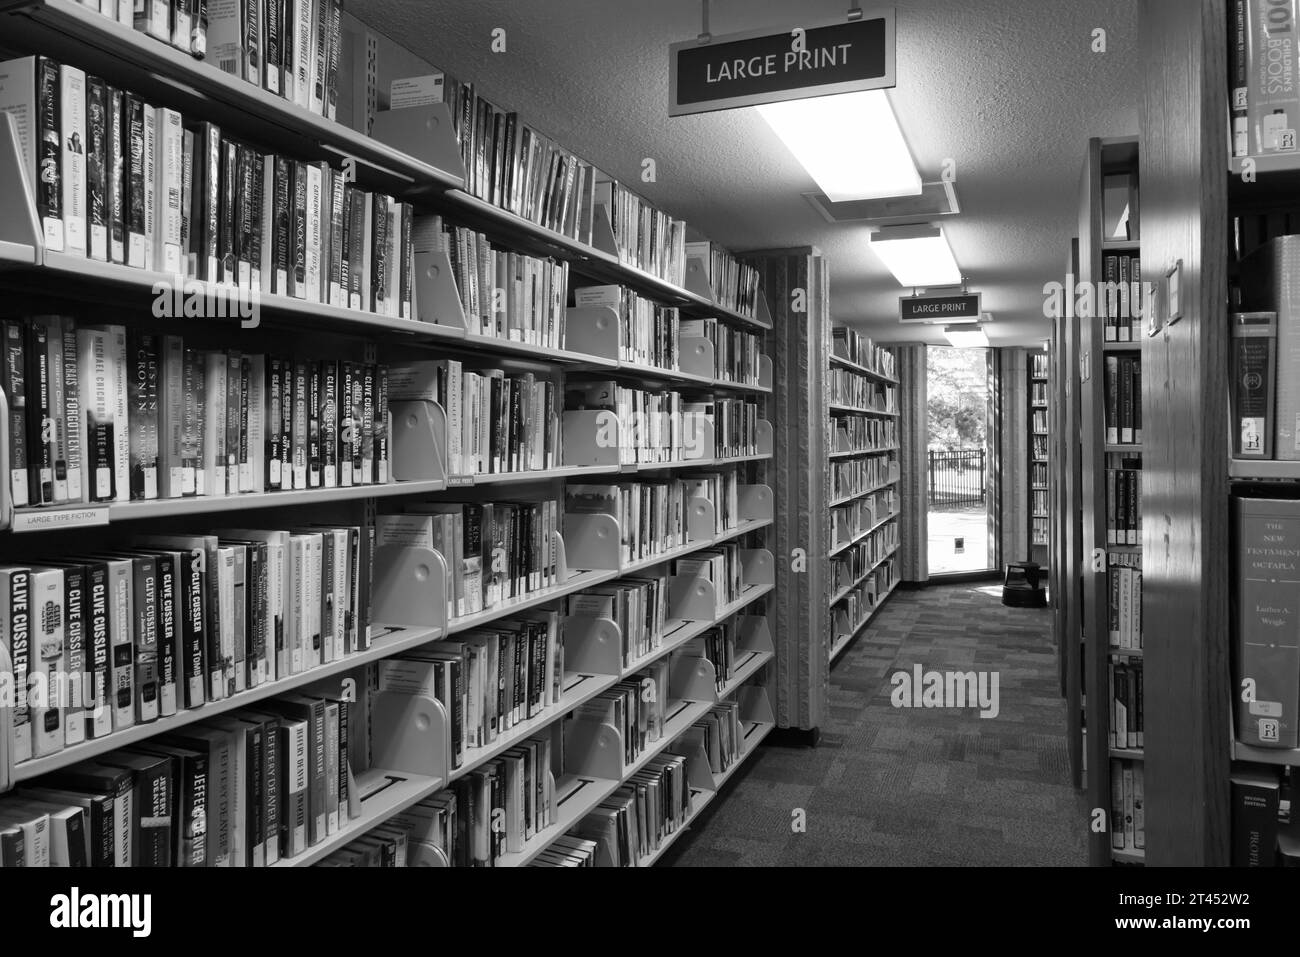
[915, 786]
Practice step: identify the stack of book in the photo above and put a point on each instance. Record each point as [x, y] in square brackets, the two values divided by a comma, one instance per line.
[100, 415]
[1124, 585]
[1123, 499]
[1123, 301]
[734, 284]
[166, 623]
[652, 515]
[862, 433]
[722, 732]
[247, 789]
[1127, 806]
[1126, 724]
[148, 188]
[719, 566]
[645, 237]
[1123, 400]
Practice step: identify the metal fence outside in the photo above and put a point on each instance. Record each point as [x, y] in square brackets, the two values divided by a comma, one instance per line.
[957, 478]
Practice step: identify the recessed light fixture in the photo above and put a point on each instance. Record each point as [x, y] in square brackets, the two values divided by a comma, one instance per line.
[917, 255]
[967, 337]
[850, 144]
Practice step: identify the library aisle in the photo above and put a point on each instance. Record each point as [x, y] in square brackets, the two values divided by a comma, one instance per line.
[941, 787]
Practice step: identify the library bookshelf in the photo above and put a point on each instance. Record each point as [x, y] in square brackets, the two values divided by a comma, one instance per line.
[417, 159]
[863, 458]
[1100, 480]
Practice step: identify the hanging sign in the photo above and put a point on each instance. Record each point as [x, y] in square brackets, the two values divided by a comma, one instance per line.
[939, 308]
[746, 69]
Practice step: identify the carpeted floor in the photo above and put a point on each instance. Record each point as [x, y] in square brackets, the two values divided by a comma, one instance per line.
[893, 786]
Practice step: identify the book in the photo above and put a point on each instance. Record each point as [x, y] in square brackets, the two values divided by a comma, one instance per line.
[1254, 379]
[1255, 797]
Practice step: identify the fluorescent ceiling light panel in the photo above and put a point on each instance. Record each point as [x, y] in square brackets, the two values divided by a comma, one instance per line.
[966, 337]
[916, 255]
[850, 144]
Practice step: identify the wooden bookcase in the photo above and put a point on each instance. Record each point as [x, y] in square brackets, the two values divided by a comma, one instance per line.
[428, 173]
[871, 513]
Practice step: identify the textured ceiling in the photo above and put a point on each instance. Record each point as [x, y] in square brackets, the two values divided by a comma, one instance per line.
[1010, 90]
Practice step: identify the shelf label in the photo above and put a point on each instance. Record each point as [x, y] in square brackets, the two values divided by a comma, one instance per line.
[41, 520]
[759, 66]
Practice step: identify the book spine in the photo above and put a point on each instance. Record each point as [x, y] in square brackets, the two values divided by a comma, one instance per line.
[149, 175]
[170, 175]
[73, 416]
[214, 417]
[1254, 373]
[193, 624]
[116, 146]
[338, 211]
[298, 238]
[234, 419]
[15, 388]
[57, 423]
[18, 617]
[40, 437]
[287, 414]
[171, 417]
[347, 422]
[49, 155]
[121, 643]
[273, 60]
[274, 433]
[72, 117]
[378, 302]
[227, 213]
[168, 630]
[383, 426]
[332, 60]
[301, 427]
[193, 479]
[313, 232]
[329, 431]
[75, 656]
[313, 425]
[368, 425]
[1238, 77]
[143, 388]
[243, 462]
[144, 606]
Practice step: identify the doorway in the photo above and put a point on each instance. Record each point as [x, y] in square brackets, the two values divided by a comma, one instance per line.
[958, 462]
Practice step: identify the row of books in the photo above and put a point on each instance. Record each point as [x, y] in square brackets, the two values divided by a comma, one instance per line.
[1040, 531]
[651, 515]
[859, 349]
[507, 162]
[1262, 65]
[504, 294]
[1038, 475]
[1128, 806]
[860, 391]
[1124, 587]
[490, 679]
[1039, 421]
[1038, 394]
[97, 414]
[649, 334]
[1123, 500]
[737, 354]
[720, 647]
[497, 422]
[1039, 447]
[720, 566]
[1040, 365]
[495, 551]
[637, 605]
[850, 520]
[854, 562]
[247, 789]
[855, 476]
[656, 427]
[105, 640]
[291, 48]
[150, 188]
[734, 284]
[1123, 384]
[490, 812]
[1122, 302]
[636, 820]
[1125, 683]
[850, 612]
[863, 433]
[1038, 503]
[1265, 829]
[645, 237]
[635, 707]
